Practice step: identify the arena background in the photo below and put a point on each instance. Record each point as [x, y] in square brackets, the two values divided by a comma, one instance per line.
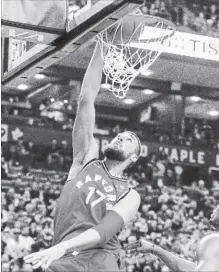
[173, 107]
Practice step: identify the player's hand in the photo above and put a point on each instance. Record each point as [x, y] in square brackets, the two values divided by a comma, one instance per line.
[140, 246]
[45, 257]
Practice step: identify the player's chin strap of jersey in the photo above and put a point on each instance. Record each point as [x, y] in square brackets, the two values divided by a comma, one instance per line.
[109, 226]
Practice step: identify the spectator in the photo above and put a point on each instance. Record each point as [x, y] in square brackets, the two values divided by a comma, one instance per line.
[26, 240]
[15, 245]
[200, 23]
[34, 192]
[169, 177]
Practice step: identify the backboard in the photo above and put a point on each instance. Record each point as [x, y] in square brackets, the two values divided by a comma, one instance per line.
[38, 33]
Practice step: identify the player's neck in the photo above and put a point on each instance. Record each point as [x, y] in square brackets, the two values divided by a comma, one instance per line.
[115, 168]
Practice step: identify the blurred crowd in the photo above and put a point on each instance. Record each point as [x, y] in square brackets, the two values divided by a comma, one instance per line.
[57, 115]
[173, 218]
[26, 222]
[173, 215]
[198, 16]
[21, 156]
[76, 5]
[194, 133]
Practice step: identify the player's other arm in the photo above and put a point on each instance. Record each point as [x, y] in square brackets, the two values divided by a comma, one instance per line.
[83, 142]
[121, 213]
[175, 263]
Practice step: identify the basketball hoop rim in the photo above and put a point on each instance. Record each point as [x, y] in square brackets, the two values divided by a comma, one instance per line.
[121, 62]
[142, 19]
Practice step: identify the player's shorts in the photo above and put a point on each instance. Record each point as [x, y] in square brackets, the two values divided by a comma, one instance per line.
[90, 260]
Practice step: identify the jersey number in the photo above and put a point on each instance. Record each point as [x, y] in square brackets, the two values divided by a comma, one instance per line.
[92, 191]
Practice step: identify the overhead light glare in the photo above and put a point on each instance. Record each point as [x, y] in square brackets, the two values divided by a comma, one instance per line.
[147, 91]
[23, 87]
[146, 72]
[105, 86]
[213, 113]
[195, 98]
[129, 101]
[40, 76]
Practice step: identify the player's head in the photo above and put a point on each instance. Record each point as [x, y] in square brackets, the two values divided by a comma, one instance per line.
[214, 220]
[125, 146]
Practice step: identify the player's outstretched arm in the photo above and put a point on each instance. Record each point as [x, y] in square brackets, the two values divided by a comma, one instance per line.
[121, 214]
[83, 142]
[175, 263]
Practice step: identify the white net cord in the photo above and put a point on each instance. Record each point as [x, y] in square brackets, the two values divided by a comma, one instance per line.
[122, 63]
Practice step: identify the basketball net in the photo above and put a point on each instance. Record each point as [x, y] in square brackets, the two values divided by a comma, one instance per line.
[125, 59]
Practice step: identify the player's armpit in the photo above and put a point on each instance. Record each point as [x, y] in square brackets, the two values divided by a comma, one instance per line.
[128, 206]
[79, 162]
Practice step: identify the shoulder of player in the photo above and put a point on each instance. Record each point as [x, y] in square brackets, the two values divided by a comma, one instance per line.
[128, 206]
[209, 245]
[134, 193]
[133, 197]
[78, 166]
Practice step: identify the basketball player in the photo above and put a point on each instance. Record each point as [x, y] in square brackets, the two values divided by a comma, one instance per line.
[94, 189]
[207, 252]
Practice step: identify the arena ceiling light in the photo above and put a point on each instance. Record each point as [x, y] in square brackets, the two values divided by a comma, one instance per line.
[52, 99]
[195, 98]
[148, 92]
[129, 101]
[23, 87]
[146, 72]
[40, 76]
[105, 86]
[66, 101]
[213, 113]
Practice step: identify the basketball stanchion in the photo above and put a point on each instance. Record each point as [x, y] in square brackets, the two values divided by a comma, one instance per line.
[132, 44]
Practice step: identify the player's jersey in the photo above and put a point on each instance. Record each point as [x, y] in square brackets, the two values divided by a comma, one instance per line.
[85, 200]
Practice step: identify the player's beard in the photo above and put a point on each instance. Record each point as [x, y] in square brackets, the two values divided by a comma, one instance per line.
[114, 154]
